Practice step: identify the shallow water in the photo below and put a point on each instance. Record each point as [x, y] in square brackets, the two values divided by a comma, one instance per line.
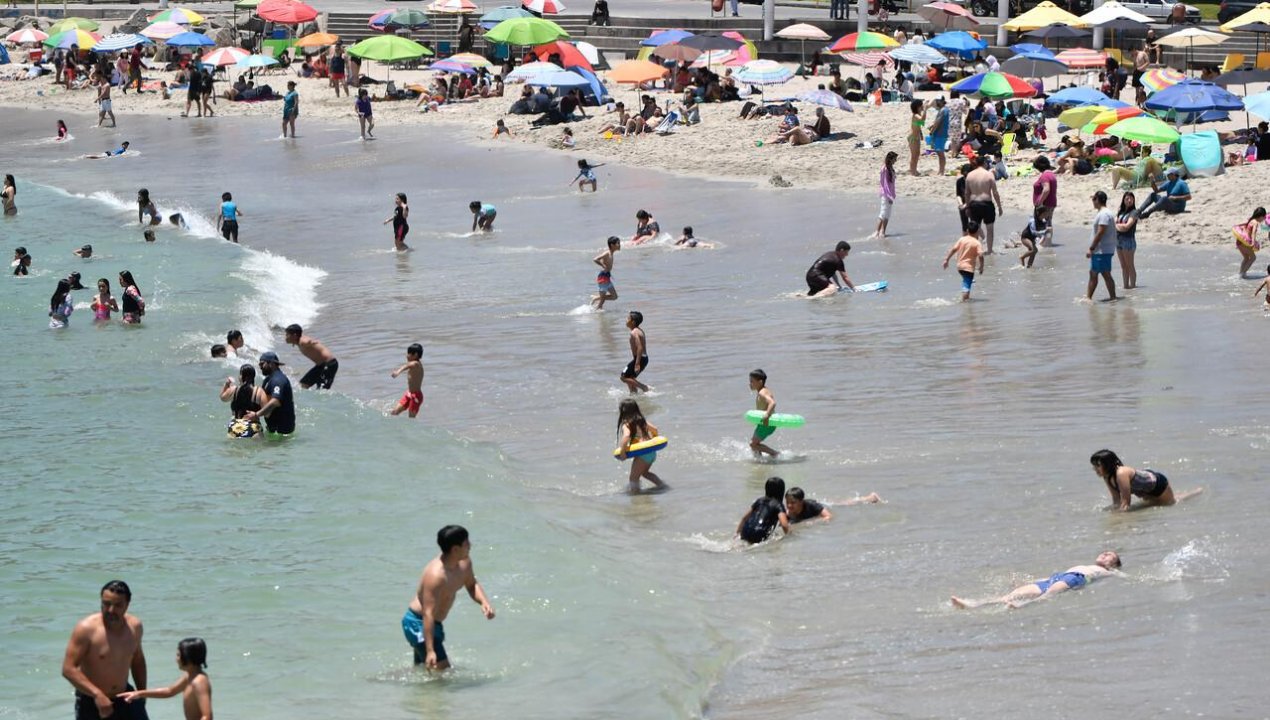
[295, 559]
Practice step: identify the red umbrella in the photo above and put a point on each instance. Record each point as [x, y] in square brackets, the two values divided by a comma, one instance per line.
[570, 55]
[285, 12]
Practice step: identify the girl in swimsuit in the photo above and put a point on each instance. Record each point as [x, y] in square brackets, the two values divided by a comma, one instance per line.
[134, 306]
[62, 132]
[918, 107]
[633, 428]
[1123, 482]
[1246, 239]
[400, 226]
[7, 194]
[104, 302]
[145, 206]
[646, 228]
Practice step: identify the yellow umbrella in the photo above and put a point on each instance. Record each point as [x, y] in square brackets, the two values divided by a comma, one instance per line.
[1079, 116]
[1261, 13]
[1044, 15]
[317, 39]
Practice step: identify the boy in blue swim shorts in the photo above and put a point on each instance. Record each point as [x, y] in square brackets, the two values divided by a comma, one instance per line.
[969, 253]
[604, 280]
[438, 586]
[1107, 564]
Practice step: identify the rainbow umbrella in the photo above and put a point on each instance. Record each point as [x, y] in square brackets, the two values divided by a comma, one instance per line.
[180, 16]
[67, 38]
[26, 35]
[1160, 78]
[377, 20]
[1111, 116]
[995, 86]
[1082, 58]
[162, 30]
[1145, 129]
[73, 23]
[470, 60]
[221, 57]
[863, 41]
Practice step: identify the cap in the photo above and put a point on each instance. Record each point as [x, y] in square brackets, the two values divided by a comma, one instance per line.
[1173, 171]
[271, 357]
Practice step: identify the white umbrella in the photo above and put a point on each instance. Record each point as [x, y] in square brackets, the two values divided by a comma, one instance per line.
[802, 32]
[1112, 10]
[1190, 37]
[544, 7]
[589, 51]
[921, 54]
[528, 71]
[120, 41]
[225, 56]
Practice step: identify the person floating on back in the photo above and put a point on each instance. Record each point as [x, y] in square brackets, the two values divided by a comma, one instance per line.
[1107, 565]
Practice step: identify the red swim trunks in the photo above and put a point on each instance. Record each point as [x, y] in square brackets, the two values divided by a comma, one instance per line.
[412, 401]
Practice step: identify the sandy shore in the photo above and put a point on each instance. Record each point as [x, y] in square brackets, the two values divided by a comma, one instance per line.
[722, 145]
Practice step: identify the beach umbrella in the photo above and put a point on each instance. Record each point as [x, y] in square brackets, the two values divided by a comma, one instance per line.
[995, 86]
[869, 59]
[1043, 15]
[1144, 129]
[121, 41]
[1034, 65]
[1082, 58]
[1194, 96]
[529, 71]
[68, 38]
[224, 56]
[863, 41]
[665, 37]
[1056, 32]
[748, 50]
[525, 31]
[592, 55]
[561, 78]
[1081, 115]
[499, 14]
[717, 57]
[763, 72]
[1111, 116]
[1078, 96]
[957, 41]
[570, 55]
[921, 54]
[1190, 37]
[1124, 24]
[827, 98]
[256, 61]
[1031, 49]
[1259, 28]
[636, 71]
[1159, 78]
[544, 7]
[802, 32]
[1242, 76]
[711, 42]
[376, 21]
[26, 35]
[285, 12]
[317, 39]
[162, 30]
[470, 59]
[1258, 104]
[408, 18]
[453, 7]
[180, 16]
[388, 49]
[451, 66]
[1110, 11]
[1259, 14]
[945, 15]
[246, 4]
[73, 23]
[190, 39]
[675, 51]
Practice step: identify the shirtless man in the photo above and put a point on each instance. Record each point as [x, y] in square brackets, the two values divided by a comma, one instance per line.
[103, 649]
[103, 103]
[983, 202]
[1107, 564]
[234, 341]
[440, 583]
[322, 374]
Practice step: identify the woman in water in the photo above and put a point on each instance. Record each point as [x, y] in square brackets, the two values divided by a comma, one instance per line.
[145, 206]
[646, 228]
[399, 220]
[1123, 482]
[60, 306]
[104, 302]
[886, 189]
[7, 194]
[633, 428]
[1127, 238]
[765, 514]
[134, 306]
[1245, 239]
[243, 398]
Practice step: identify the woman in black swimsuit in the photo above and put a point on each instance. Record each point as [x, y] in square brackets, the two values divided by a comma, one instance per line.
[400, 226]
[1123, 482]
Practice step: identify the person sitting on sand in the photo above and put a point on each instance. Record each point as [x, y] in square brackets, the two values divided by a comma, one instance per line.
[788, 125]
[1075, 161]
[1123, 482]
[1147, 170]
[1107, 565]
[1171, 197]
[618, 126]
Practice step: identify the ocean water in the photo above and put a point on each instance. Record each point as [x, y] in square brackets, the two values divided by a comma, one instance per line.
[294, 559]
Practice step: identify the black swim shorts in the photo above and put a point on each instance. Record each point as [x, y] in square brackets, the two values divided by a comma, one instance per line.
[982, 211]
[321, 376]
[631, 372]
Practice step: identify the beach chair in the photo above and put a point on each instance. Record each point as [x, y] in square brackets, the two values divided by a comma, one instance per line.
[443, 48]
[1263, 61]
[1233, 61]
[668, 123]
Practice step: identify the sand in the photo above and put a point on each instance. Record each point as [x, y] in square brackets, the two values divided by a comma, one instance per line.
[722, 145]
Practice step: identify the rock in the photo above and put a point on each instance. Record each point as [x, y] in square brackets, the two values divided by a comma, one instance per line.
[780, 182]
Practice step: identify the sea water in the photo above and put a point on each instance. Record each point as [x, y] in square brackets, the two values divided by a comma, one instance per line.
[294, 559]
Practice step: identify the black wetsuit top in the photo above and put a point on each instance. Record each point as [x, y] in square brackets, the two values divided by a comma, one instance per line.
[825, 266]
[763, 519]
[811, 511]
[243, 401]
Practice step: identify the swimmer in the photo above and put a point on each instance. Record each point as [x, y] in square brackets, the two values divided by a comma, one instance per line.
[969, 251]
[400, 220]
[7, 192]
[218, 351]
[234, 340]
[801, 509]
[84, 252]
[687, 238]
[646, 228]
[633, 428]
[21, 262]
[148, 234]
[586, 175]
[483, 215]
[63, 133]
[1265, 285]
[822, 276]
[604, 281]
[178, 220]
[60, 306]
[765, 514]
[412, 400]
[1123, 482]
[432, 602]
[765, 402]
[500, 128]
[227, 220]
[123, 148]
[639, 353]
[104, 302]
[322, 374]
[1107, 565]
[194, 686]
[145, 206]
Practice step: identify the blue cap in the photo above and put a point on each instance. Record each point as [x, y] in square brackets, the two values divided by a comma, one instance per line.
[271, 357]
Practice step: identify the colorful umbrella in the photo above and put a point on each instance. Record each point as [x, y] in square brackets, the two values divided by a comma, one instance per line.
[995, 86]
[408, 18]
[828, 98]
[453, 7]
[570, 55]
[317, 39]
[869, 59]
[162, 30]
[1043, 15]
[681, 53]
[121, 41]
[73, 23]
[256, 61]
[26, 35]
[529, 71]
[388, 49]
[190, 39]
[1160, 78]
[221, 57]
[285, 12]
[180, 16]
[377, 20]
[957, 41]
[470, 59]
[1082, 58]
[1145, 129]
[636, 71]
[525, 31]
[921, 54]
[763, 72]
[544, 7]
[664, 37]
[1078, 116]
[863, 41]
[451, 66]
[68, 38]
[497, 15]
[716, 57]
[945, 15]
[1099, 123]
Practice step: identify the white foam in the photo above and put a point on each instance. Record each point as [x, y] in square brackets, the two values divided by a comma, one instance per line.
[934, 303]
[285, 292]
[587, 309]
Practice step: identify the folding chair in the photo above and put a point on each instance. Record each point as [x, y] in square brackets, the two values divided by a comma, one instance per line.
[1233, 61]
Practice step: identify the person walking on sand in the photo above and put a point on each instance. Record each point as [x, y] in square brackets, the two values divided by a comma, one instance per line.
[104, 649]
[639, 353]
[412, 400]
[322, 374]
[1102, 247]
[399, 219]
[1107, 565]
[822, 276]
[104, 106]
[983, 201]
[194, 686]
[290, 109]
[969, 254]
[1124, 482]
[886, 191]
[439, 584]
[915, 124]
[604, 280]
[633, 428]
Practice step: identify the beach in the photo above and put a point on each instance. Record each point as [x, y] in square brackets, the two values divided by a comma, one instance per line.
[295, 559]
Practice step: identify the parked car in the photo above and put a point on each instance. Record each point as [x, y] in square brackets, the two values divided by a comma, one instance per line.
[1231, 9]
[1160, 10]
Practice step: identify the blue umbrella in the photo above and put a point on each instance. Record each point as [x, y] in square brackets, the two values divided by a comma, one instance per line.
[957, 41]
[920, 54]
[1258, 104]
[120, 41]
[1031, 49]
[559, 78]
[497, 15]
[665, 37]
[1078, 96]
[190, 39]
[597, 87]
[1194, 96]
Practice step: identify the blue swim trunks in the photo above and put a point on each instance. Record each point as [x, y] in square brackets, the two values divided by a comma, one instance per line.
[1100, 263]
[1074, 580]
[967, 280]
[412, 628]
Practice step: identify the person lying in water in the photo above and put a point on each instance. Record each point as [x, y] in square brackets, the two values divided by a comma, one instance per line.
[799, 508]
[1107, 565]
[1123, 482]
[110, 153]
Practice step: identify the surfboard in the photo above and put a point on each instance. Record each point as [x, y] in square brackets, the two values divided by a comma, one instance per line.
[879, 286]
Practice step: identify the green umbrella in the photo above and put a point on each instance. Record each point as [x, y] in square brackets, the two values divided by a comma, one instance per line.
[388, 48]
[73, 23]
[526, 31]
[408, 18]
[1145, 129]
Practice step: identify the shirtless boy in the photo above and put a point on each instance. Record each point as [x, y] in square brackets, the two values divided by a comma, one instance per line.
[194, 686]
[604, 281]
[765, 402]
[1107, 564]
[438, 586]
[639, 353]
[322, 374]
[104, 648]
[412, 400]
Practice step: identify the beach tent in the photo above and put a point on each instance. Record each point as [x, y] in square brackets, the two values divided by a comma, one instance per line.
[596, 88]
[1202, 154]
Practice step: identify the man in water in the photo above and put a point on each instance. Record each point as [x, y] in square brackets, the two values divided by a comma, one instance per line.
[279, 411]
[983, 201]
[604, 280]
[234, 340]
[1107, 564]
[438, 586]
[639, 353]
[325, 365]
[800, 509]
[822, 276]
[104, 648]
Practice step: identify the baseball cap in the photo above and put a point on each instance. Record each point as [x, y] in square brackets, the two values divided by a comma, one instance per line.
[1173, 171]
[271, 357]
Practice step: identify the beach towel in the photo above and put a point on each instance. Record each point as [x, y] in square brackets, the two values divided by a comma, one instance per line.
[1202, 154]
[668, 123]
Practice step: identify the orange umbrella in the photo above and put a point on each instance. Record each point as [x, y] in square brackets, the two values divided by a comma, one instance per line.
[636, 71]
[570, 55]
[317, 39]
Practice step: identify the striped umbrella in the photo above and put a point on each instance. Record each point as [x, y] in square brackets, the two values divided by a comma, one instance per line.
[67, 38]
[921, 54]
[27, 35]
[863, 41]
[162, 30]
[544, 7]
[453, 7]
[869, 59]
[470, 60]
[763, 72]
[715, 57]
[828, 98]
[1099, 123]
[221, 57]
[995, 86]
[1081, 58]
[180, 16]
[121, 41]
[1160, 78]
[73, 23]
